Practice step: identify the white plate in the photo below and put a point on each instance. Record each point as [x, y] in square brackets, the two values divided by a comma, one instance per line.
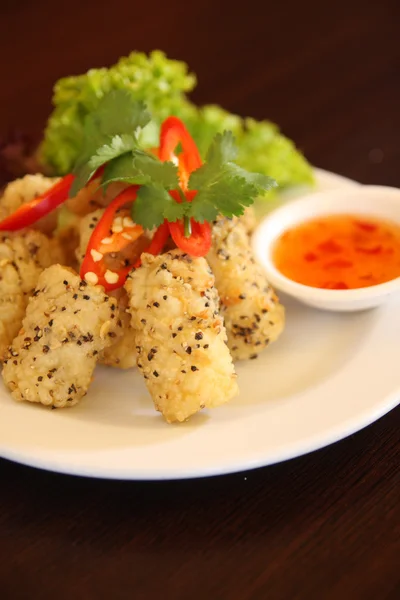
[328, 376]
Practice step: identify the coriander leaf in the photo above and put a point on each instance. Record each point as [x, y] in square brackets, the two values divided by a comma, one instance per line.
[92, 140]
[203, 209]
[228, 196]
[118, 112]
[173, 211]
[141, 168]
[122, 169]
[108, 132]
[222, 186]
[115, 146]
[82, 176]
[222, 149]
[263, 183]
[154, 204]
[162, 173]
[119, 144]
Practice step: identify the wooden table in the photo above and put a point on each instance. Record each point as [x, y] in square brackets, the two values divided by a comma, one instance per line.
[324, 526]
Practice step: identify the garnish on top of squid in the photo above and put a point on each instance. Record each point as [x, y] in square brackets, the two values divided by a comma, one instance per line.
[168, 192]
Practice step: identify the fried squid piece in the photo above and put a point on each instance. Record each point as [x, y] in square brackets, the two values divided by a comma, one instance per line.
[24, 190]
[180, 335]
[67, 325]
[252, 312]
[23, 256]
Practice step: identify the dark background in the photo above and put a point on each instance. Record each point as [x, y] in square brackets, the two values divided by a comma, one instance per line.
[324, 526]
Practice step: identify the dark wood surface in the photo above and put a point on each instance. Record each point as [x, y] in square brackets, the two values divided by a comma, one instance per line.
[324, 526]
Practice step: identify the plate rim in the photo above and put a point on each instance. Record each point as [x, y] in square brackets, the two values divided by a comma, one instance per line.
[337, 435]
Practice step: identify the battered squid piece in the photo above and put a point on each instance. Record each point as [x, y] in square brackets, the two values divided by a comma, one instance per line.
[67, 324]
[180, 335]
[23, 256]
[122, 354]
[24, 190]
[252, 312]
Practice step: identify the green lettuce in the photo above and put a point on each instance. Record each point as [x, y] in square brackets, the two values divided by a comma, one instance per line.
[163, 84]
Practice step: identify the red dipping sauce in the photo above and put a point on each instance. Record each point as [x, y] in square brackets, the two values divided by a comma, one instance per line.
[340, 252]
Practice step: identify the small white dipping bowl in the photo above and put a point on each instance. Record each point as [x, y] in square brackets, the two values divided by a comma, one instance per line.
[379, 202]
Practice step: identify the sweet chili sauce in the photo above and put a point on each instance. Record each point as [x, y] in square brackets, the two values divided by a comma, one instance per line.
[340, 252]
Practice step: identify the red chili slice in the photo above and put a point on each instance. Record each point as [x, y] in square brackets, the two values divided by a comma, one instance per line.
[374, 250]
[174, 132]
[330, 246]
[198, 243]
[339, 263]
[31, 212]
[365, 226]
[310, 257]
[103, 241]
